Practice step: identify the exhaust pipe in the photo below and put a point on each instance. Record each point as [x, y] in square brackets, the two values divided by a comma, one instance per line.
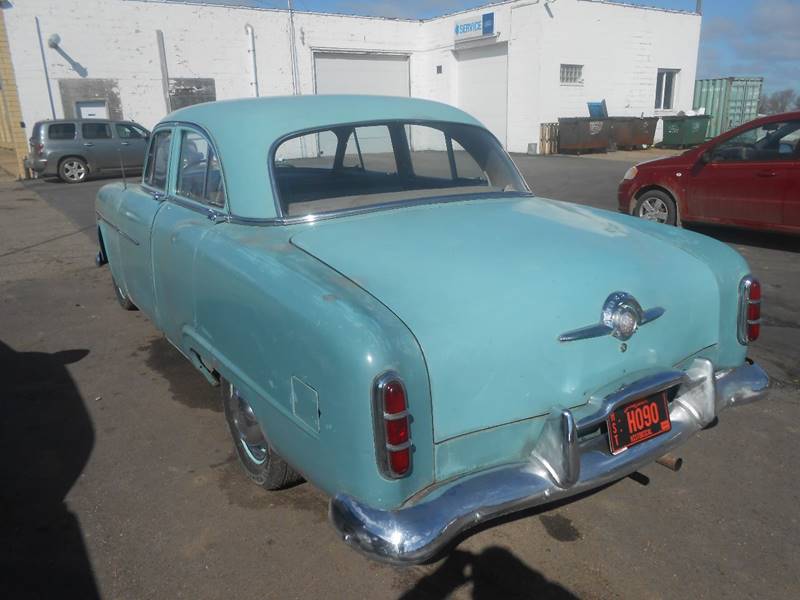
[672, 462]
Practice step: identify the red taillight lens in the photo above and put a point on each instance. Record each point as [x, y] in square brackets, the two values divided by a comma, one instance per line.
[38, 148]
[749, 310]
[393, 437]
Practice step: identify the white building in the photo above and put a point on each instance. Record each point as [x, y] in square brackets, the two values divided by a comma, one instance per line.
[514, 65]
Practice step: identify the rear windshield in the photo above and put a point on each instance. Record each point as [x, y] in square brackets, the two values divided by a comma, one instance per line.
[357, 166]
[61, 131]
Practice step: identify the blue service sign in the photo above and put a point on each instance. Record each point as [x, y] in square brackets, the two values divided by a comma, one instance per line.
[475, 27]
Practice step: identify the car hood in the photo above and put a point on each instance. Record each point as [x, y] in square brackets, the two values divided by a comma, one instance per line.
[487, 287]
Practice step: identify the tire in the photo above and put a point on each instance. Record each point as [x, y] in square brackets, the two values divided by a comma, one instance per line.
[658, 206]
[258, 459]
[122, 297]
[73, 170]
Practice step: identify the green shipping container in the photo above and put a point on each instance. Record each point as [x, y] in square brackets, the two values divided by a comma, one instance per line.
[682, 132]
[730, 100]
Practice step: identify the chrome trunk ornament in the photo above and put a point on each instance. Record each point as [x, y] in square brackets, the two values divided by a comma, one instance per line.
[622, 315]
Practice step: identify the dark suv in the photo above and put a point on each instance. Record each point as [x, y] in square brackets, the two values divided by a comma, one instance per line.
[76, 148]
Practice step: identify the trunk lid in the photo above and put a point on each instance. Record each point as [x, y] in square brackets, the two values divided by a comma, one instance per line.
[488, 286]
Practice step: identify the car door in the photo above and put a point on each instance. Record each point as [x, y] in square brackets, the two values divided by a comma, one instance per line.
[195, 203]
[139, 207]
[132, 143]
[747, 177]
[100, 147]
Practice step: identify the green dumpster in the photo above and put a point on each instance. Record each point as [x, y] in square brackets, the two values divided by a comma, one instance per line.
[685, 131]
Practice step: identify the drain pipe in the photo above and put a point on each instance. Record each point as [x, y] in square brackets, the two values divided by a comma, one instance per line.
[251, 34]
[44, 65]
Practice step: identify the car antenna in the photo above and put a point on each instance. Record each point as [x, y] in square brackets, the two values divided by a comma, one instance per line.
[122, 168]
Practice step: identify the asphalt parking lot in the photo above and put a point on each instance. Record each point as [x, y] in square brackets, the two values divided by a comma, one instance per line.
[119, 479]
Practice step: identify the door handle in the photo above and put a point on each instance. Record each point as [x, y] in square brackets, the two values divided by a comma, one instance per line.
[157, 196]
[124, 143]
[88, 144]
[766, 173]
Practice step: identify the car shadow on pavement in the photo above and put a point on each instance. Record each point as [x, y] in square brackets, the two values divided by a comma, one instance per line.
[750, 237]
[494, 573]
[46, 437]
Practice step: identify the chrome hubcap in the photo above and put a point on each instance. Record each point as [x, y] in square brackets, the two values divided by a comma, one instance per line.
[246, 427]
[654, 209]
[74, 170]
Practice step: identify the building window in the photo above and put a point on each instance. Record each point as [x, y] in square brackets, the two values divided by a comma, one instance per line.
[665, 88]
[572, 74]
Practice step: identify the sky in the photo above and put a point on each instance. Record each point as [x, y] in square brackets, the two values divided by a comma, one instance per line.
[741, 38]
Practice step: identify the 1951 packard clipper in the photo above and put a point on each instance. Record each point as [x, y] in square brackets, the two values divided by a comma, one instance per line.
[390, 312]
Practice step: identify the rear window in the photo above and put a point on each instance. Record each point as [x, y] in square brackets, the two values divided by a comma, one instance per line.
[95, 131]
[357, 166]
[61, 131]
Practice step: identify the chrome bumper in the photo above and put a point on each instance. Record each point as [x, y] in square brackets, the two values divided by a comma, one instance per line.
[560, 465]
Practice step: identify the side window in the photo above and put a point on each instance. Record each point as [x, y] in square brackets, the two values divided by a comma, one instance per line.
[430, 156]
[199, 174]
[155, 172]
[768, 142]
[126, 131]
[61, 131]
[374, 146]
[95, 131]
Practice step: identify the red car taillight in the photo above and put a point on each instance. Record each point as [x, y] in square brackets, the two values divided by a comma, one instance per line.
[392, 433]
[37, 149]
[749, 310]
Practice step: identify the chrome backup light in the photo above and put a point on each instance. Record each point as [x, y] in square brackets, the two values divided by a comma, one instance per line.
[391, 423]
[749, 327]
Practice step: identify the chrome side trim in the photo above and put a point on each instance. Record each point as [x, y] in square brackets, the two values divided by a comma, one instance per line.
[557, 468]
[115, 228]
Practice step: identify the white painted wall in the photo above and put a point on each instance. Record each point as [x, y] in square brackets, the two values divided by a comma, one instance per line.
[621, 48]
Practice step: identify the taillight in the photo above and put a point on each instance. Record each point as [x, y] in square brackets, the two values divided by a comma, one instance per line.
[38, 148]
[749, 310]
[392, 433]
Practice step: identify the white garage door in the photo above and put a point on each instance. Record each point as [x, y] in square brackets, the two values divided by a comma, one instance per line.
[483, 86]
[345, 73]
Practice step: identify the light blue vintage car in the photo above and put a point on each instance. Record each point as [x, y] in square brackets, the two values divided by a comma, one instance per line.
[392, 314]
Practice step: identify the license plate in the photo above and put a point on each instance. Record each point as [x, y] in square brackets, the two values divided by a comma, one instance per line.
[638, 421]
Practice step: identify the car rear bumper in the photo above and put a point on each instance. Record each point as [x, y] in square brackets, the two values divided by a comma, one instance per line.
[560, 465]
[35, 164]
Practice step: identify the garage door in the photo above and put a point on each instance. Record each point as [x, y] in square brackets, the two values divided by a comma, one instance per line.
[346, 73]
[483, 86]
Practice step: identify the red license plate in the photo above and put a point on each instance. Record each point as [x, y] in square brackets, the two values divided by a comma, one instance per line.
[638, 421]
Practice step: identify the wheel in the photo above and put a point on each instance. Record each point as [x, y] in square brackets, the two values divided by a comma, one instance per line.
[122, 297]
[260, 461]
[73, 170]
[655, 205]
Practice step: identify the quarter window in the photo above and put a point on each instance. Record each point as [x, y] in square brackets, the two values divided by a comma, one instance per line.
[61, 131]
[95, 131]
[665, 88]
[572, 74]
[199, 174]
[155, 174]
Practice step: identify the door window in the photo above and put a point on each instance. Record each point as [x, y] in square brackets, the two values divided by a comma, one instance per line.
[126, 131]
[155, 173]
[199, 173]
[436, 155]
[767, 142]
[95, 131]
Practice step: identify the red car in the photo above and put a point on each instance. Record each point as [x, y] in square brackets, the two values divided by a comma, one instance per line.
[747, 177]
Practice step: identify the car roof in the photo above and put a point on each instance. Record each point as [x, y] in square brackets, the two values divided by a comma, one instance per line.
[244, 130]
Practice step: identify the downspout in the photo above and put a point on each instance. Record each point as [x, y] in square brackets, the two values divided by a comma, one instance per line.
[44, 65]
[251, 34]
[293, 52]
[162, 57]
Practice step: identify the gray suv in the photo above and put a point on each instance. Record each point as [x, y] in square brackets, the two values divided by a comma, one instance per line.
[73, 149]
